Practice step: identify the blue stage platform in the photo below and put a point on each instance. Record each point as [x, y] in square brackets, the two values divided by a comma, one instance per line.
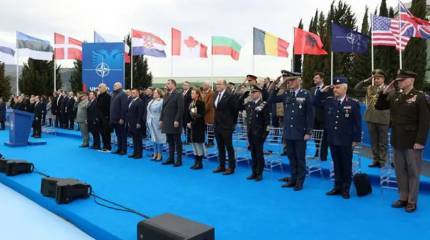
[237, 208]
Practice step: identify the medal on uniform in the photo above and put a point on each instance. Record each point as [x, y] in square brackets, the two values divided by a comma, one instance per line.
[347, 115]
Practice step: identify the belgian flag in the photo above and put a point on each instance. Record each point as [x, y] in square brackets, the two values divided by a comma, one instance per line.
[268, 44]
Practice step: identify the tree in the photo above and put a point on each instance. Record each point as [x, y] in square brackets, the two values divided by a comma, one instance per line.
[76, 78]
[5, 90]
[362, 62]
[142, 77]
[37, 77]
[416, 51]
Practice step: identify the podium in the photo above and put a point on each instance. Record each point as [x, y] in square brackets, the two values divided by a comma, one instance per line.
[20, 124]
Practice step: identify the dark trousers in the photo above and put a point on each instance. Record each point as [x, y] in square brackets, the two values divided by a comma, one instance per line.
[94, 130]
[57, 120]
[104, 129]
[2, 126]
[137, 141]
[296, 150]
[342, 162]
[379, 139]
[37, 127]
[224, 141]
[121, 136]
[324, 145]
[256, 147]
[71, 121]
[175, 144]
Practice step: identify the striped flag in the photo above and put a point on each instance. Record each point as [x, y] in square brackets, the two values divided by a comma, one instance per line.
[67, 47]
[35, 48]
[7, 53]
[385, 32]
[147, 44]
[268, 44]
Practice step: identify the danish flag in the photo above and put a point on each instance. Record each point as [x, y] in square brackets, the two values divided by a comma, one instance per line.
[67, 47]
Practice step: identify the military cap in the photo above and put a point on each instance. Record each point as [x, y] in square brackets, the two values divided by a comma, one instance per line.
[403, 74]
[340, 80]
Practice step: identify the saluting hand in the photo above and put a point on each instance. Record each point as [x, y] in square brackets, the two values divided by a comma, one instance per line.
[389, 88]
[418, 146]
[326, 88]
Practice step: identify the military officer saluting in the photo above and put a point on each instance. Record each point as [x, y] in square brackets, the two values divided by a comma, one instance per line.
[343, 129]
[258, 120]
[409, 114]
[298, 123]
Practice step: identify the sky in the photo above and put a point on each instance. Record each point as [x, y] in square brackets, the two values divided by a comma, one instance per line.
[200, 18]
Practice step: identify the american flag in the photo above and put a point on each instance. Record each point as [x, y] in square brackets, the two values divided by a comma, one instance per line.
[385, 32]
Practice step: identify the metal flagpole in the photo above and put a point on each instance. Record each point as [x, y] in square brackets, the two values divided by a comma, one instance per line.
[400, 39]
[331, 68]
[371, 48]
[292, 59]
[303, 61]
[17, 72]
[131, 58]
[53, 61]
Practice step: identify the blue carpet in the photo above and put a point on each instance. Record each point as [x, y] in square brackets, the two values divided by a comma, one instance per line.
[238, 209]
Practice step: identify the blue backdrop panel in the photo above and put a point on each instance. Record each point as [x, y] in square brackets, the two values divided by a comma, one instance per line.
[102, 63]
[20, 127]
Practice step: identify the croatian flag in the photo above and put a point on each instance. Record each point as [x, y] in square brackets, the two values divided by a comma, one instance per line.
[7, 53]
[147, 44]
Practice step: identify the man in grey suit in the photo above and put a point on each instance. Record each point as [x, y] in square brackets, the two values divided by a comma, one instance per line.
[81, 117]
[171, 122]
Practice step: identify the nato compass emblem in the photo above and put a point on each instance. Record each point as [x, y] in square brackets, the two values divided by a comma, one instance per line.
[102, 69]
[352, 38]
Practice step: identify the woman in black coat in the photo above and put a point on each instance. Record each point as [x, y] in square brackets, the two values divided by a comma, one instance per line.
[196, 122]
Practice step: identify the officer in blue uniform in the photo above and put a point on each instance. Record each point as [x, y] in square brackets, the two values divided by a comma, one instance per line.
[298, 123]
[343, 129]
[257, 122]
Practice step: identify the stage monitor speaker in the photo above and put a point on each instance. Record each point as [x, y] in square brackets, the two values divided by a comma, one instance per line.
[14, 168]
[3, 163]
[48, 186]
[68, 190]
[172, 227]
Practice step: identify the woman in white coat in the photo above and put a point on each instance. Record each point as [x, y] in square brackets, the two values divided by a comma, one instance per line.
[153, 123]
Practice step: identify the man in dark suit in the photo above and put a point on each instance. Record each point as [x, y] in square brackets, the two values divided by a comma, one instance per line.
[2, 113]
[38, 114]
[70, 111]
[118, 112]
[319, 114]
[171, 122]
[226, 105]
[146, 97]
[103, 113]
[63, 111]
[134, 123]
[409, 115]
[186, 93]
[343, 129]
[298, 123]
[93, 120]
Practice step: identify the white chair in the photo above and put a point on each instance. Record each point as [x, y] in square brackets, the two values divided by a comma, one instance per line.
[387, 178]
[313, 162]
[274, 147]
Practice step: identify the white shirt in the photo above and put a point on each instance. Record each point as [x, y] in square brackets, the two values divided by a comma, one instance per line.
[341, 99]
[219, 97]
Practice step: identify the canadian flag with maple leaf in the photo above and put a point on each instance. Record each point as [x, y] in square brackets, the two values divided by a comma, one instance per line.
[187, 45]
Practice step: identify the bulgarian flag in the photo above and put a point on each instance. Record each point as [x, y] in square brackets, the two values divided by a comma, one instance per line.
[225, 46]
[187, 45]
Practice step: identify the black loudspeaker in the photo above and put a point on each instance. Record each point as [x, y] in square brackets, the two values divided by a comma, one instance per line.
[172, 227]
[14, 168]
[64, 190]
[3, 163]
[68, 190]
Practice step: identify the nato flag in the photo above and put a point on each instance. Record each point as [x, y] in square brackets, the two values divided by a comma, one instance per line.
[347, 40]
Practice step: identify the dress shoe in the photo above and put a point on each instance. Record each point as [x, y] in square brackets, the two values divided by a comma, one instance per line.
[333, 192]
[132, 155]
[399, 204]
[116, 152]
[177, 164]
[84, 145]
[285, 179]
[289, 185]
[258, 178]
[411, 207]
[374, 165]
[218, 170]
[298, 187]
[345, 195]
[137, 157]
[252, 177]
[228, 171]
[168, 162]
[95, 147]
